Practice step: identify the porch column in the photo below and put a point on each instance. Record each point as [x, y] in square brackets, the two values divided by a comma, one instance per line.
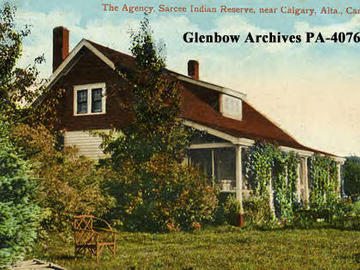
[306, 181]
[298, 180]
[238, 175]
[271, 199]
[338, 164]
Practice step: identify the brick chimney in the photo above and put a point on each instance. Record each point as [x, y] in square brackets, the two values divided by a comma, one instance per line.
[193, 69]
[60, 45]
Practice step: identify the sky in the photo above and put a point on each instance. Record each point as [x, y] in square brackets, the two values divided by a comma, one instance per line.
[311, 90]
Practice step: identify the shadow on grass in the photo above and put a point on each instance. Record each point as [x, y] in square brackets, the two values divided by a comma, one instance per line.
[357, 257]
[66, 257]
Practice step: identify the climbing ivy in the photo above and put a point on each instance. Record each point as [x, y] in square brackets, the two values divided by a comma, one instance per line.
[259, 166]
[273, 173]
[266, 165]
[285, 175]
[323, 175]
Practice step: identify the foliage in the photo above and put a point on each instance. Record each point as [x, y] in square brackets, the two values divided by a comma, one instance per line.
[256, 210]
[268, 165]
[164, 197]
[68, 185]
[227, 210]
[343, 215]
[351, 176]
[154, 191]
[221, 247]
[323, 177]
[155, 103]
[259, 165]
[17, 85]
[19, 212]
[285, 174]
[271, 170]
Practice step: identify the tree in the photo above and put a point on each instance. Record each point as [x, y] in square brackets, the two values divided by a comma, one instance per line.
[351, 175]
[154, 100]
[154, 191]
[68, 185]
[21, 87]
[19, 213]
[16, 84]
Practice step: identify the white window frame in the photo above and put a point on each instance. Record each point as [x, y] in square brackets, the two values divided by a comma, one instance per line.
[89, 87]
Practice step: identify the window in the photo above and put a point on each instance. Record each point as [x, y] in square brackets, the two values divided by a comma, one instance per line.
[89, 99]
[218, 164]
[82, 101]
[231, 107]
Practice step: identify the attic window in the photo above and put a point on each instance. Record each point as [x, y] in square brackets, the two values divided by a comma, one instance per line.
[89, 99]
[231, 107]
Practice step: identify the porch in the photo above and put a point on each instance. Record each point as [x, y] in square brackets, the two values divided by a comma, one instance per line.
[221, 157]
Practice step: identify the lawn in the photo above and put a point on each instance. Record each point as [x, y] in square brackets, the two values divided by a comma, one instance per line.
[221, 248]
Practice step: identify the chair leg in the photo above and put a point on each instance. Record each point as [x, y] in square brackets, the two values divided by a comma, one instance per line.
[97, 253]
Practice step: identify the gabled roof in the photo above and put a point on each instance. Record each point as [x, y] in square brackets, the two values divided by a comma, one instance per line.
[254, 126]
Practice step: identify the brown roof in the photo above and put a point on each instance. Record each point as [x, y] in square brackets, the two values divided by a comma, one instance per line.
[196, 107]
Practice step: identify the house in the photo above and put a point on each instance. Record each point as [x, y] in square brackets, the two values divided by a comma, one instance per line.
[231, 123]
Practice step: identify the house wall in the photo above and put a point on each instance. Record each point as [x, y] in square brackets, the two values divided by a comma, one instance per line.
[87, 144]
[90, 69]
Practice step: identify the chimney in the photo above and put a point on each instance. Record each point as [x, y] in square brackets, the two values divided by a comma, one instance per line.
[60, 45]
[193, 69]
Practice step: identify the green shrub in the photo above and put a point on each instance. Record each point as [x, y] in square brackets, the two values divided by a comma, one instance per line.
[256, 210]
[341, 214]
[227, 210]
[19, 213]
[356, 207]
[161, 195]
[68, 184]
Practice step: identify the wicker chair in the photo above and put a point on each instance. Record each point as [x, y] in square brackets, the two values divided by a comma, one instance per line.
[92, 240]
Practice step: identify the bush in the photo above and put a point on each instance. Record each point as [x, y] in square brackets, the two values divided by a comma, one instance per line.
[257, 211]
[342, 214]
[19, 213]
[227, 210]
[161, 195]
[69, 185]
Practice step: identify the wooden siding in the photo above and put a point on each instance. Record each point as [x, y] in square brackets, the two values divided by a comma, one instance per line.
[88, 145]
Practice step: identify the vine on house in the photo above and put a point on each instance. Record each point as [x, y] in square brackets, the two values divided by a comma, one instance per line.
[274, 174]
[323, 175]
[285, 175]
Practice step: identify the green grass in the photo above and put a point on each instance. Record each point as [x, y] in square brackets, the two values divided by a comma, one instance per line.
[221, 248]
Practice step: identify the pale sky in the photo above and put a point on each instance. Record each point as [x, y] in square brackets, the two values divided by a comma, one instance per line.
[310, 90]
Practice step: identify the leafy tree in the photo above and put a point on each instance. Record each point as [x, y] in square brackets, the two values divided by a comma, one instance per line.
[154, 191]
[68, 184]
[15, 82]
[21, 87]
[19, 214]
[154, 100]
[351, 175]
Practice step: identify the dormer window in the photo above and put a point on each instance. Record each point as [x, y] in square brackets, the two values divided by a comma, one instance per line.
[89, 99]
[231, 107]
